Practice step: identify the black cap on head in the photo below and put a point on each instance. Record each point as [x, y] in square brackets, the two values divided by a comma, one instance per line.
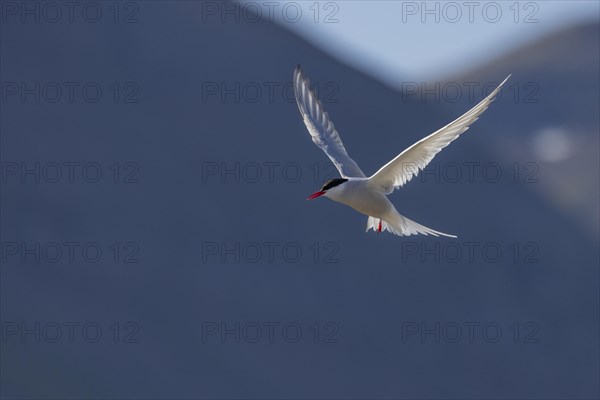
[333, 183]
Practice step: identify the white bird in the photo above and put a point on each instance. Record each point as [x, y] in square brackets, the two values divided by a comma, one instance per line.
[368, 195]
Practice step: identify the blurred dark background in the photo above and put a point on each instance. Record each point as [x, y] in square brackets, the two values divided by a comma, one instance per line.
[205, 234]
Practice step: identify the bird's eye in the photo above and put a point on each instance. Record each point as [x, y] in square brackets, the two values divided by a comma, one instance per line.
[327, 185]
[332, 183]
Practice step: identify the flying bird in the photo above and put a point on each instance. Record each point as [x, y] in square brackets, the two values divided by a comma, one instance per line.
[368, 195]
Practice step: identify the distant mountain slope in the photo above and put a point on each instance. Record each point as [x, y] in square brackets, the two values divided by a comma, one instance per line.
[553, 119]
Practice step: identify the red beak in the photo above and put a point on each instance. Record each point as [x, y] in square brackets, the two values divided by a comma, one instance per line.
[315, 195]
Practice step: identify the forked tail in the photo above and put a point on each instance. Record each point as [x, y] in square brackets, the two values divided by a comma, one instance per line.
[402, 226]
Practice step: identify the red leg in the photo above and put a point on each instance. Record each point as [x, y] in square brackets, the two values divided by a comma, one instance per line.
[379, 226]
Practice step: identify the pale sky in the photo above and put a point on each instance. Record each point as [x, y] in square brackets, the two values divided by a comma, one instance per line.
[393, 40]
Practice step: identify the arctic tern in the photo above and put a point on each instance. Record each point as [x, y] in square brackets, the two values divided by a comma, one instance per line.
[368, 195]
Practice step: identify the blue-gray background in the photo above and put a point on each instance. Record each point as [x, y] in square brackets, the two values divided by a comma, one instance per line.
[172, 128]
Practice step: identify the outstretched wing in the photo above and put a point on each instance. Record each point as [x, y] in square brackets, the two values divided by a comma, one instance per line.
[415, 158]
[321, 128]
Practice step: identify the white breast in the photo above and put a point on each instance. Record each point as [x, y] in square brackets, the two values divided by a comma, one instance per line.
[356, 194]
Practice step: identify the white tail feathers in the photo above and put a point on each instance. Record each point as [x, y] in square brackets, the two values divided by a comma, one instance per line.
[402, 226]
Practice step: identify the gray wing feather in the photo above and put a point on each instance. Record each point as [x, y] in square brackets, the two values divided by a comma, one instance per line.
[321, 128]
[415, 158]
